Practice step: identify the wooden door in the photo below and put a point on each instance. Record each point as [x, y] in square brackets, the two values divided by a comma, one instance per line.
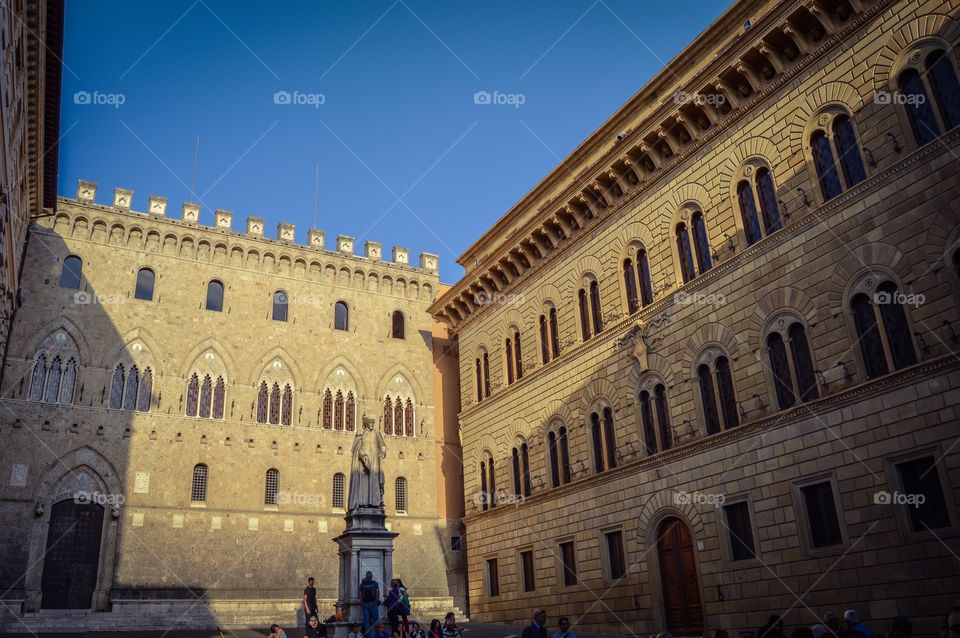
[72, 559]
[678, 571]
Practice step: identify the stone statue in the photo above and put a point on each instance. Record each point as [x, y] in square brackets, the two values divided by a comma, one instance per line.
[366, 474]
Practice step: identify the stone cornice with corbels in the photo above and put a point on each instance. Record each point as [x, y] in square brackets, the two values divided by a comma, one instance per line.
[455, 299]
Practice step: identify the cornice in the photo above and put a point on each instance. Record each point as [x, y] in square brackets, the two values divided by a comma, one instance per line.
[852, 395]
[617, 209]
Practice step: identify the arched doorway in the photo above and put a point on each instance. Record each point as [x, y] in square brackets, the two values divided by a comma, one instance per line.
[678, 573]
[72, 560]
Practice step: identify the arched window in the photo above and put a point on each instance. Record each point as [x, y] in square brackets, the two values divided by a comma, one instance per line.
[491, 481]
[271, 487]
[286, 407]
[398, 417]
[654, 416]
[595, 307]
[803, 366]
[397, 325]
[515, 458]
[930, 92]
[525, 469]
[780, 369]
[508, 359]
[130, 391]
[206, 397]
[554, 453]
[53, 381]
[544, 340]
[198, 489]
[280, 305]
[596, 435]
[263, 403]
[584, 315]
[604, 440]
[338, 411]
[687, 271]
[408, 422]
[341, 316]
[609, 438]
[825, 166]
[848, 151]
[643, 278]
[484, 492]
[517, 356]
[882, 330]
[351, 412]
[219, 398]
[718, 401]
[70, 274]
[215, 296]
[757, 200]
[554, 334]
[791, 363]
[701, 242]
[387, 416]
[328, 410]
[193, 393]
[479, 380]
[144, 288]
[486, 375]
[38, 379]
[338, 483]
[69, 382]
[145, 393]
[116, 389]
[400, 490]
[630, 286]
[748, 212]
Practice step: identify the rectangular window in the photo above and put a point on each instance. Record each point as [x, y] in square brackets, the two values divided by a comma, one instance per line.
[526, 569]
[740, 531]
[568, 562]
[454, 543]
[822, 515]
[919, 477]
[615, 557]
[493, 578]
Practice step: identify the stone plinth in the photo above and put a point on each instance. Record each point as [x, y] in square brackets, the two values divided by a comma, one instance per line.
[366, 545]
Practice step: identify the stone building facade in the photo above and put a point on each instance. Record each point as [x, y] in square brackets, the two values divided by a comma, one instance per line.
[31, 39]
[709, 363]
[180, 402]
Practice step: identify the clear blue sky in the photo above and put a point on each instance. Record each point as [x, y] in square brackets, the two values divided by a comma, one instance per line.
[398, 117]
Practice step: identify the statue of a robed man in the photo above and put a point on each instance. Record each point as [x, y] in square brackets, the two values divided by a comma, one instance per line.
[366, 473]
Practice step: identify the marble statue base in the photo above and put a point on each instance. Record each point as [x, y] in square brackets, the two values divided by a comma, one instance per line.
[366, 545]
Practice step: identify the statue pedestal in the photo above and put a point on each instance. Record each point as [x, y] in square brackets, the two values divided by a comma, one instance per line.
[366, 545]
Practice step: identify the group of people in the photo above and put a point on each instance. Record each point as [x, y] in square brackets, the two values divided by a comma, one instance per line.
[832, 627]
[396, 602]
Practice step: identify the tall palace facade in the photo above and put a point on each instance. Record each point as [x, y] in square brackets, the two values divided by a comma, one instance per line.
[709, 364]
[179, 404]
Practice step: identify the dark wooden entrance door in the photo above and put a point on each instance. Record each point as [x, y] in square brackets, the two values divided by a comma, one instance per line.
[678, 571]
[72, 558]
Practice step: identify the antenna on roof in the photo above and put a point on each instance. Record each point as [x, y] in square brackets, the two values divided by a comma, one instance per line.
[316, 187]
[193, 181]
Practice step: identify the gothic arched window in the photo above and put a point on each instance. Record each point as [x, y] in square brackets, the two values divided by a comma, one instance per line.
[145, 394]
[387, 416]
[397, 327]
[263, 403]
[70, 273]
[116, 389]
[193, 393]
[215, 296]
[144, 286]
[280, 305]
[328, 410]
[341, 316]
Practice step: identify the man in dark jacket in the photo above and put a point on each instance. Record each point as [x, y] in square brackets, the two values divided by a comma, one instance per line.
[538, 628]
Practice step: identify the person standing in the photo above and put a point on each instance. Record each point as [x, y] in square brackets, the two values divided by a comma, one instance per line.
[538, 628]
[309, 601]
[369, 603]
[394, 605]
[564, 629]
[405, 607]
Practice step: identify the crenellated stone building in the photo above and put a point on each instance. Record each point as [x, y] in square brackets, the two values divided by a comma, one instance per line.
[709, 363]
[202, 387]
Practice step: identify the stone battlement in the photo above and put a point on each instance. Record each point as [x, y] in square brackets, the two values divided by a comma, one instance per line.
[223, 221]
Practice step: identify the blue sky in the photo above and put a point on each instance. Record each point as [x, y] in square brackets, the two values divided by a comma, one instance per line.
[379, 93]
